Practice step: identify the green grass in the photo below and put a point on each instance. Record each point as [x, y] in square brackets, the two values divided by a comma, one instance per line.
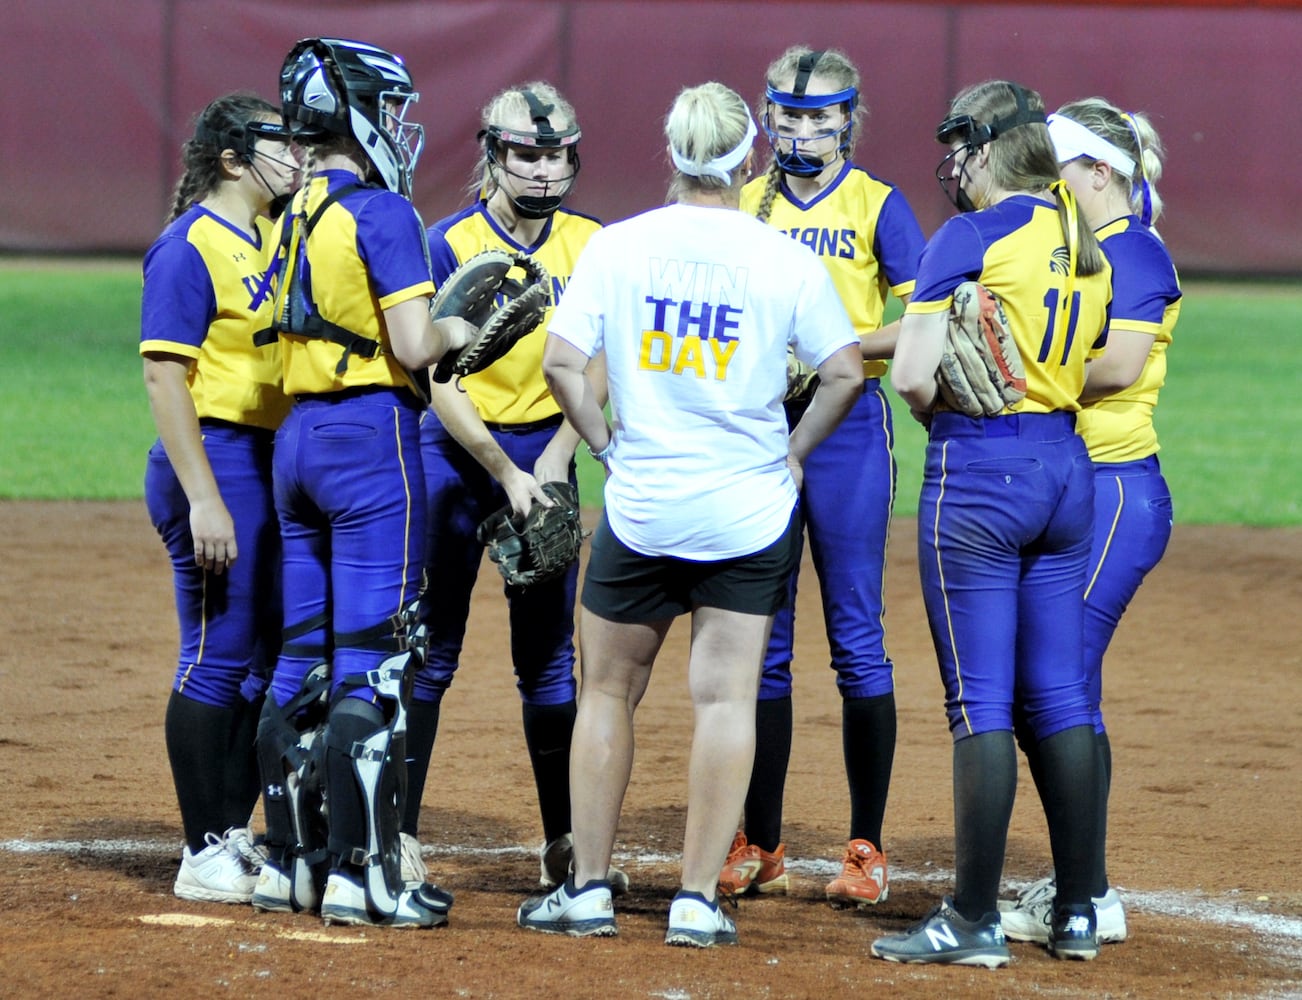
[76, 422]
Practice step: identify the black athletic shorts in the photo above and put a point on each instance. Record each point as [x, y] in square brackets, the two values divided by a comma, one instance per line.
[625, 586]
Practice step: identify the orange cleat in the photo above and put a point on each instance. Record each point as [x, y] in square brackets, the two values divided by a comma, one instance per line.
[750, 868]
[862, 881]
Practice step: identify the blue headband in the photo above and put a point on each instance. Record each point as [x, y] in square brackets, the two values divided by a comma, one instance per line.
[789, 100]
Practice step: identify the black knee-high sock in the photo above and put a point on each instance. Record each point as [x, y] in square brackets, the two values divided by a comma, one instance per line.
[768, 777]
[422, 728]
[242, 783]
[1027, 742]
[868, 743]
[547, 733]
[1105, 791]
[198, 741]
[1070, 795]
[985, 784]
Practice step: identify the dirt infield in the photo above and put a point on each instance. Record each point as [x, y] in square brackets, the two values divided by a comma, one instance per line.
[1204, 685]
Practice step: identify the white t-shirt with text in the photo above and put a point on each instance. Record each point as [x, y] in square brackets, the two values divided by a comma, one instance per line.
[695, 308]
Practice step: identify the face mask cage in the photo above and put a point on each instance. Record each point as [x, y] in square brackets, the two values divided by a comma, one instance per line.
[794, 155]
[962, 129]
[973, 135]
[497, 138]
[407, 138]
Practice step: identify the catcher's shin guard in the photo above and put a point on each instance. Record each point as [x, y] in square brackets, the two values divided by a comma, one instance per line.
[291, 758]
[366, 772]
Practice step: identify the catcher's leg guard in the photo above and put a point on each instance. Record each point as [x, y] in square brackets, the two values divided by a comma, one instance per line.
[291, 757]
[366, 774]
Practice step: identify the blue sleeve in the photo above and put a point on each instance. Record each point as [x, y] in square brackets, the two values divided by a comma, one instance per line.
[391, 243]
[954, 255]
[1143, 278]
[443, 261]
[178, 303]
[898, 241]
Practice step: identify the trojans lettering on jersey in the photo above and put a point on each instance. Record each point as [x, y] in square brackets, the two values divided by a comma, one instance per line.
[825, 242]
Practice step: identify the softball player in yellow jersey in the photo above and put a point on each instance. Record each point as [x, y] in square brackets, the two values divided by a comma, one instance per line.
[865, 234]
[352, 314]
[1005, 518]
[1112, 161]
[494, 438]
[216, 401]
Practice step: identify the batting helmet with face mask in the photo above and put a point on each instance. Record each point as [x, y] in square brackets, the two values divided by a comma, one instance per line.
[542, 136]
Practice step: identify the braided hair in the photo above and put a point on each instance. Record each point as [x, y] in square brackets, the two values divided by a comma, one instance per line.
[834, 67]
[224, 118]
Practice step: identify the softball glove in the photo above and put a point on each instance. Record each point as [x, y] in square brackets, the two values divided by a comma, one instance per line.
[539, 546]
[981, 371]
[505, 308]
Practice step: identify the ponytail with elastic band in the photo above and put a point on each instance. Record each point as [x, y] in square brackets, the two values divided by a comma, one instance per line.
[1145, 192]
[1063, 192]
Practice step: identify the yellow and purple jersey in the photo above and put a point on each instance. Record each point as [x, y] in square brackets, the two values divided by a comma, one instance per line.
[512, 389]
[863, 231]
[201, 300]
[365, 254]
[1015, 248]
[1145, 299]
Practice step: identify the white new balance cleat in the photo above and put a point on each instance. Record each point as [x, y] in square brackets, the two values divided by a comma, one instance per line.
[696, 922]
[586, 912]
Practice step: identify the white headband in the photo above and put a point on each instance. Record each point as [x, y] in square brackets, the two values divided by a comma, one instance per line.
[721, 166]
[1072, 139]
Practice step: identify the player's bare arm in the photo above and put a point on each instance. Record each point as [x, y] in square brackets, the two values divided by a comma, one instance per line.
[211, 525]
[880, 344]
[564, 367]
[1119, 365]
[419, 341]
[840, 383]
[553, 464]
[917, 355]
[456, 411]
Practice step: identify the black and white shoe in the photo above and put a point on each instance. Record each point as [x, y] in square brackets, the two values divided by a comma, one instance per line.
[586, 912]
[696, 922]
[943, 937]
[1073, 932]
[345, 902]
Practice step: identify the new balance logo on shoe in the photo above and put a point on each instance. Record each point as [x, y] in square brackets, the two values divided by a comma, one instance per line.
[941, 936]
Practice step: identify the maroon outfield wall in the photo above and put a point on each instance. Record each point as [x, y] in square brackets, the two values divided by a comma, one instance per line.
[97, 96]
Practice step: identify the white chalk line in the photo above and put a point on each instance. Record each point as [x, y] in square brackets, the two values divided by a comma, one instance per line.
[1228, 910]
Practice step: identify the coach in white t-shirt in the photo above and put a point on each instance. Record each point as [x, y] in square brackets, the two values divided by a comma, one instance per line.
[695, 305]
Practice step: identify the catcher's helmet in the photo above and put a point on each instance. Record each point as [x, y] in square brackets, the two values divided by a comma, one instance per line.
[332, 86]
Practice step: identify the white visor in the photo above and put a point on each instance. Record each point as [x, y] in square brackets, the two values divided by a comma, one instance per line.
[1072, 139]
[721, 167]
